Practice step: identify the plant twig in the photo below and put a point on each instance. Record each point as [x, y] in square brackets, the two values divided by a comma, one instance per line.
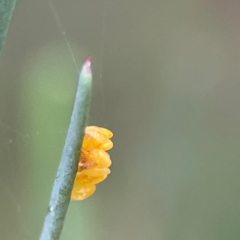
[6, 11]
[66, 173]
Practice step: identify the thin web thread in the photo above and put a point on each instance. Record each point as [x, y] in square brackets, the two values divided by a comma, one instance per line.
[102, 48]
[103, 27]
[102, 37]
[60, 26]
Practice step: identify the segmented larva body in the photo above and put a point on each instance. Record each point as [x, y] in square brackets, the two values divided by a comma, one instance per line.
[94, 162]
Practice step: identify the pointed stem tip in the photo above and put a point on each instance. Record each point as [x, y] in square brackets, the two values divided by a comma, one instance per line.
[87, 65]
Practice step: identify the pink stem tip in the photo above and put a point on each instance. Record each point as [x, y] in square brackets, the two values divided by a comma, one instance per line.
[87, 64]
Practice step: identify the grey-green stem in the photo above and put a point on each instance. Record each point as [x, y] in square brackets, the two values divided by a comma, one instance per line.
[66, 173]
[6, 11]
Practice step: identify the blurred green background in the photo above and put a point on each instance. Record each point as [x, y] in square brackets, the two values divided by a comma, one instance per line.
[166, 82]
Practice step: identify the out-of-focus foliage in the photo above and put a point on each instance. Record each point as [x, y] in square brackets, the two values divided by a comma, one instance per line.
[166, 82]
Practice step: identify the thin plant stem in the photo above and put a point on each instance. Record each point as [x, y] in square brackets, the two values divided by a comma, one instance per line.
[66, 173]
[6, 11]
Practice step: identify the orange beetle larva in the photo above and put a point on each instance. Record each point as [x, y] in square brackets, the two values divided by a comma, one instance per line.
[94, 162]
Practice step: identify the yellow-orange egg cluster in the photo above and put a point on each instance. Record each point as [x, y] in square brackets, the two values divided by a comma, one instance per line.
[94, 162]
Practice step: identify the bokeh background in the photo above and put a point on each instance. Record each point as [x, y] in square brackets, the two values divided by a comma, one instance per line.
[166, 82]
